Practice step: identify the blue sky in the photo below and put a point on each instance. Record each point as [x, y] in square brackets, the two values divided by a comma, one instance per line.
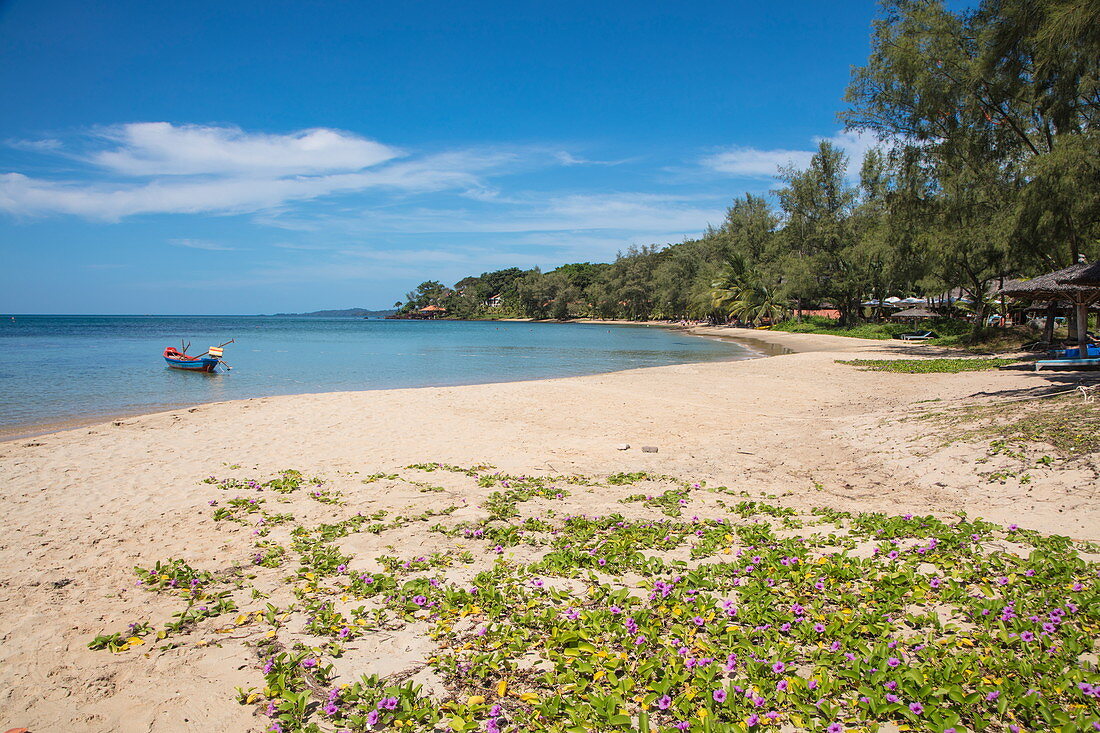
[252, 157]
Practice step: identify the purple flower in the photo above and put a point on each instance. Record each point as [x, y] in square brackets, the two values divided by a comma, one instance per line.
[331, 709]
[778, 667]
[916, 707]
[893, 661]
[372, 718]
[665, 702]
[752, 720]
[309, 663]
[719, 695]
[419, 600]
[835, 728]
[819, 627]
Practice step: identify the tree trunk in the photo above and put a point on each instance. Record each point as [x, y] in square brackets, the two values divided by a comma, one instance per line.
[1048, 328]
[1082, 325]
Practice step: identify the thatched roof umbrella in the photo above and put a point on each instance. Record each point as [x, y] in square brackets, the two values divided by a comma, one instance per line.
[1078, 284]
[1082, 273]
[916, 313]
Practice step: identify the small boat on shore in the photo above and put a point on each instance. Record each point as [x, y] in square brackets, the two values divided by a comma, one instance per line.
[206, 362]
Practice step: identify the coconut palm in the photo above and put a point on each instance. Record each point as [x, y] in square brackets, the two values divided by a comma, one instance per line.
[741, 292]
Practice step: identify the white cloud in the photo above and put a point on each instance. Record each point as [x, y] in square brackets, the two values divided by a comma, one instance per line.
[757, 163]
[37, 146]
[742, 161]
[201, 244]
[22, 195]
[164, 149]
[536, 212]
[566, 158]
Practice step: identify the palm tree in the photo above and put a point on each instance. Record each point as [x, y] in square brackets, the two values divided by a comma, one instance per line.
[741, 292]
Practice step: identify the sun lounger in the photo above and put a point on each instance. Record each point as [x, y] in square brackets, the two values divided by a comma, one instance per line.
[1061, 363]
[916, 336]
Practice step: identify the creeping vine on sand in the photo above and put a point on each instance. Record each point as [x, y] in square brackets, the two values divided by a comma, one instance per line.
[746, 617]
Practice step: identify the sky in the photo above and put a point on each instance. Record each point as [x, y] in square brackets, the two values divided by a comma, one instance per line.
[260, 157]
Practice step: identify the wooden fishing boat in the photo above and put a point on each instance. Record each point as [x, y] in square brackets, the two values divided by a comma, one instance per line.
[179, 360]
[206, 362]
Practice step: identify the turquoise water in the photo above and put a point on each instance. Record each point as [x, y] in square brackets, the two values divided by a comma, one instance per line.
[62, 368]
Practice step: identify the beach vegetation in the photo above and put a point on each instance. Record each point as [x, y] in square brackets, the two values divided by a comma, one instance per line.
[927, 366]
[540, 616]
[1067, 424]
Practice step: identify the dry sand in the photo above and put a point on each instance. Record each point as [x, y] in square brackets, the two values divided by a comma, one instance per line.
[82, 507]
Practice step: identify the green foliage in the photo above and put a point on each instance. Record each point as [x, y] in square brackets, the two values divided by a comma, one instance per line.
[670, 623]
[927, 366]
[987, 166]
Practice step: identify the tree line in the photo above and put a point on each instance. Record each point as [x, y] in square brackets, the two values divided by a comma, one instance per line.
[987, 167]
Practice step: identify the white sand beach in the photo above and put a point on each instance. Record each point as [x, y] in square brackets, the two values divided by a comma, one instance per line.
[82, 507]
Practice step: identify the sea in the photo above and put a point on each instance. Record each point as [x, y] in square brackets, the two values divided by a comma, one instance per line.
[68, 370]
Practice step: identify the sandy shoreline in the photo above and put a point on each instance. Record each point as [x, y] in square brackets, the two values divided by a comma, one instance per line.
[82, 507]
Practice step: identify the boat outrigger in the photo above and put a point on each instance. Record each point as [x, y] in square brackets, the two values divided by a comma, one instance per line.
[205, 362]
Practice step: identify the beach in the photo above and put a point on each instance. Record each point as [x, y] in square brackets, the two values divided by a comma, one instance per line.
[82, 507]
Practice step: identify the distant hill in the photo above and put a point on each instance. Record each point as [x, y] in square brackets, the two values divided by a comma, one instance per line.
[346, 312]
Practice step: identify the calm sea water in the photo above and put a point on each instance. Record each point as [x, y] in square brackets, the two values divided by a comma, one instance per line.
[60, 368]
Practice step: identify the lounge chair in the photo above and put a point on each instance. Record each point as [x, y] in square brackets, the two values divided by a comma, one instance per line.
[916, 336]
[1063, 363]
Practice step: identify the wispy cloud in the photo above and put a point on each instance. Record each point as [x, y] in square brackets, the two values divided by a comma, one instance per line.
[201, 244]
[567, 158]
[752, 162]
[37, 146]
[757, 163]
[628, 212]
[161, 168]
[23, 195]
[164, 149]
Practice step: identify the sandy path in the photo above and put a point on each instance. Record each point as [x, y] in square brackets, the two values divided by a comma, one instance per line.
[86, 505]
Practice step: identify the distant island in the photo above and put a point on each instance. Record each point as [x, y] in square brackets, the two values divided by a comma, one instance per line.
[346, 312]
